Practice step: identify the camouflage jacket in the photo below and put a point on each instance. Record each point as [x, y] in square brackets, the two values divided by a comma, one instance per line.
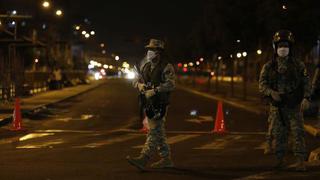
[294, 75]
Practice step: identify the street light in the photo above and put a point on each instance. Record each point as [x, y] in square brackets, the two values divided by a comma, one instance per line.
[244, 54]
[201, 59]
[14, 12]
[87, 36]
[191, 64]
[239, 55]
[45, 4]
[102, 45]
[238, 41]
[59, 12]
[36, 60]
[117, 58]
[197, 63]
[84, 32]
[104, 51]
[219, 58]
[92, 33]
[284, 7]
[259, 51]
[77, 28]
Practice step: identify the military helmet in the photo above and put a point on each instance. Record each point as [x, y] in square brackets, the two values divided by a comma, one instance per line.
[283, 35]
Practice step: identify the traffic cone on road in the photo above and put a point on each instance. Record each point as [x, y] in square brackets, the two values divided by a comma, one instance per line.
[17, 121]
[219, 126]
[145, 128]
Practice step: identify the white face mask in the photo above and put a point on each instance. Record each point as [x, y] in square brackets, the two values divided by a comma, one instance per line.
[151, 55]
[283, 51]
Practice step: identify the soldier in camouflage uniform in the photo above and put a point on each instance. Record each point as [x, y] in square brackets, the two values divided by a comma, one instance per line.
[156, 81]
[285, 81]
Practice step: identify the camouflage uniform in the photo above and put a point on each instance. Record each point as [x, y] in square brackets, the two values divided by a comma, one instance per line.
[284, 78]
[156, 137]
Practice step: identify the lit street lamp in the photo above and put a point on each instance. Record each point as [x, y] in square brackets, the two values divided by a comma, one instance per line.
[117, 58]
[87, 36]
[59, 12]
[83, 32]
[45, 4]
[239, 55]
[77, 28]
[92, 33]
[244, 54]
[259, 51]
[284, 7]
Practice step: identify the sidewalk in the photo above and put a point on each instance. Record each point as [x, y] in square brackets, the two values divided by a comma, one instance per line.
[252, 104]
[39, 101]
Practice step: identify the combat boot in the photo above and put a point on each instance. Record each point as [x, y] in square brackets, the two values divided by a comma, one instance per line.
[163, 163]
[299, 165]
[139, 162]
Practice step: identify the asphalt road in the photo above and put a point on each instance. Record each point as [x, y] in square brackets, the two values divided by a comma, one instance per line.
[89, 136]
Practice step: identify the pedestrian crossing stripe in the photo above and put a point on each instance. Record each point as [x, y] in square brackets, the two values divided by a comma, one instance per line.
[220, 143]
[38, 145]
[109, 141]
[175, 139]
[261, 146]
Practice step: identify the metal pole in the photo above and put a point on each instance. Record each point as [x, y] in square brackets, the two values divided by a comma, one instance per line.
[232, 79]
[245, 78]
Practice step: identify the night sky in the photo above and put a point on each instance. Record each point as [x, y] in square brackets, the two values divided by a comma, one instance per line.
[125, 25]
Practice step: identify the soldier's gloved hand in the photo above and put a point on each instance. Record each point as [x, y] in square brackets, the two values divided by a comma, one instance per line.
[305, 104]
[141, 87]
[275, 96]
[150, 93]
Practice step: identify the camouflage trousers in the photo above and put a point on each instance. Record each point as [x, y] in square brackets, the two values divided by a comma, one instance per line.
[290, 123]
[156, 139]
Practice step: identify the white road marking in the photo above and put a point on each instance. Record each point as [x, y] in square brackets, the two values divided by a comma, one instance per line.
[175, 139]
[41, 145]
[220, 143]
[34, 136]
[113, 140]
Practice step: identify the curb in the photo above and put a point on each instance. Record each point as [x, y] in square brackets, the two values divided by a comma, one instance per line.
[7, 120]
[308, 128]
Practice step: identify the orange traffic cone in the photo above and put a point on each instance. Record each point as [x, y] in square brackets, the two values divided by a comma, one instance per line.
[145, 128]
[17, 122]
[219, 126]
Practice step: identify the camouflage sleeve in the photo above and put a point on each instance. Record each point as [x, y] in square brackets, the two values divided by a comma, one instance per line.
[169, 79]
[264, 86]
[305, 80]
